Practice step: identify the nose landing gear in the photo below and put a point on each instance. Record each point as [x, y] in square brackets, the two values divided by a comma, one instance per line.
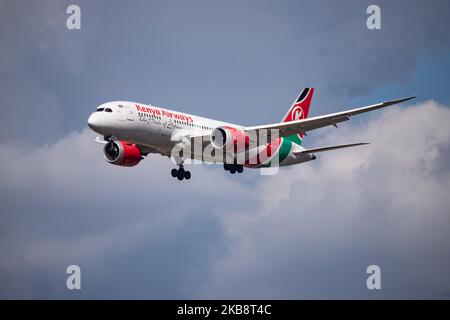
[180, 173]
[233, 168]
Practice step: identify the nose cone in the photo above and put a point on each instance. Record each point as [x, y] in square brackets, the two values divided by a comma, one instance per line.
[94, 122]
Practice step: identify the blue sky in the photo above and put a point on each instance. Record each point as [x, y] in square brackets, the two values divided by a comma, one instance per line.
[429, 80]
[308, 232]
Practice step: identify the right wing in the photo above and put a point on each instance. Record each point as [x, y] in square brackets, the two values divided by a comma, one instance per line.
[305, 125]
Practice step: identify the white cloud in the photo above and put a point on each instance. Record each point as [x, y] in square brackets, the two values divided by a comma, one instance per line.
[63, 204]
[309, 231]
[318, 226]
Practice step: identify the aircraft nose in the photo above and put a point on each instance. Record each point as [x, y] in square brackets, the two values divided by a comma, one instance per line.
[93, 122]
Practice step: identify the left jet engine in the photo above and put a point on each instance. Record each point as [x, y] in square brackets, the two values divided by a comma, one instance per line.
[122, 153]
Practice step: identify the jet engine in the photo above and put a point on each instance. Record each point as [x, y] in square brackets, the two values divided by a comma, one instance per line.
[122, 153]
[230, 138]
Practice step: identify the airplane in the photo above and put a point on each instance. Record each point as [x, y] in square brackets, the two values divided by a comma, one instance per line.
[132, 130]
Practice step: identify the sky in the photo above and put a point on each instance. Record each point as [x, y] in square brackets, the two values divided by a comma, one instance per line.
[308, 232]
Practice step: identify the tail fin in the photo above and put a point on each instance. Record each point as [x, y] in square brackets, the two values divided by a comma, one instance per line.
[299, 110]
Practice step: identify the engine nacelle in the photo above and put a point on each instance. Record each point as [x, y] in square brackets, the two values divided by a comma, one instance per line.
[229, 138]
[122, 153]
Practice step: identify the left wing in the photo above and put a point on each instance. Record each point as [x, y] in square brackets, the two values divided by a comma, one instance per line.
[305, 125]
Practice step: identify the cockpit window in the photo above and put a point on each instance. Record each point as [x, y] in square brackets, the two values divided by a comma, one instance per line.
[108, 110]
[100, 109]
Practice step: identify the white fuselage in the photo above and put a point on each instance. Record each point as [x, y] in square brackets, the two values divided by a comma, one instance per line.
[132, 130]
[158, 130]
[147, 125]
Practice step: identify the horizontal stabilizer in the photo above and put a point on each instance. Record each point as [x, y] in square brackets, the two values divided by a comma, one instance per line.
[338, 146]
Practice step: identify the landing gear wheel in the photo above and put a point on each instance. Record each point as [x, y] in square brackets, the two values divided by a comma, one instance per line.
[226, 166]
[233, 170]
[240, 169]
[180, 173]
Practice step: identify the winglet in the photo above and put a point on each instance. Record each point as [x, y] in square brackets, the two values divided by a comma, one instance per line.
[401, 100]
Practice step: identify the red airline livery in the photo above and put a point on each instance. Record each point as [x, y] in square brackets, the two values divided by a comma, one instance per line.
[131, 131]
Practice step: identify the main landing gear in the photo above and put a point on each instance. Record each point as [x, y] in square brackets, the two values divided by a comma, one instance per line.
[233, 168]
[180, 173]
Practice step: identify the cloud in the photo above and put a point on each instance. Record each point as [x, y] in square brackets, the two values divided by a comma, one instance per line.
[62, 204]
[317, 227]
[308, 232]
[37, 31]
[40, 61]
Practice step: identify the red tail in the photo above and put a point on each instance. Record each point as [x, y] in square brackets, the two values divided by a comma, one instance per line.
[300, 108]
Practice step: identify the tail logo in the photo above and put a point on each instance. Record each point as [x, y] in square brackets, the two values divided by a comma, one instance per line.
[297, 113]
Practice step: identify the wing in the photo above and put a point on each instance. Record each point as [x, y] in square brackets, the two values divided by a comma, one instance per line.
[305, 125]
